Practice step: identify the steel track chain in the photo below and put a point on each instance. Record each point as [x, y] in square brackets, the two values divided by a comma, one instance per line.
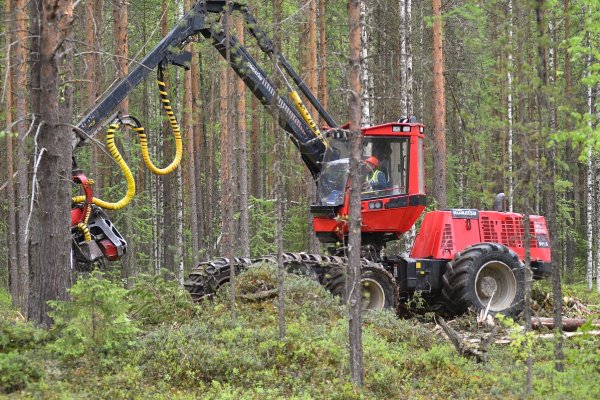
[208, 276]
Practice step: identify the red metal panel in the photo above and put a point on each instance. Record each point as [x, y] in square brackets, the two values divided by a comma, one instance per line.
[442, 236]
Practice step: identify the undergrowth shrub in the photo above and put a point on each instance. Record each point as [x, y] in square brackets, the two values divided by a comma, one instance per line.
[17, 335]
[95, 321]
[17, 371]
[155, 300]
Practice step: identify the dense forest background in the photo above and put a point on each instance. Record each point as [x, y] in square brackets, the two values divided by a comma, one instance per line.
[521, 83]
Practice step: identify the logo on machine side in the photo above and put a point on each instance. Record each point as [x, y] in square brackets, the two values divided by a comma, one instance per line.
[465, 213]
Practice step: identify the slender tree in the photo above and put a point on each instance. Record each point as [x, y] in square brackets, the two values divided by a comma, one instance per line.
[13, 267]
[242, 154]
[190, 176]
[439, 109]
[227, 174]
[323, 87]
[312, 80]
[120, 20]
[278, 170]
[20, 68]
[366, 78]
[354, 274]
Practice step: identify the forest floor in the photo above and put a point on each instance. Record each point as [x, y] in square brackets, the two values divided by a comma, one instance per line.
[152, 343]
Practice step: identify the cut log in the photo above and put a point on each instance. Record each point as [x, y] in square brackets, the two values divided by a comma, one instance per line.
[569, 324]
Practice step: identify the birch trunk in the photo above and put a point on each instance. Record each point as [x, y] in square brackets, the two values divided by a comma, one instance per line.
[509, 108]
[402, 38]
[365, 73]
[590, 190]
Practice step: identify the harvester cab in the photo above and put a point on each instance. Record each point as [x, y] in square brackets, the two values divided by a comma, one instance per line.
[389, 208]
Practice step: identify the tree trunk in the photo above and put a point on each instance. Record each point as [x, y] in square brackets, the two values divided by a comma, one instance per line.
[50, 223]
[509, 108]
[279, 174]
[548, 113]
[402, 39]
[323, 88]
[365, 75]
[242, 154]
[198, 155]
[21, 60]
[11, 237]
[190, 180]
[256, 150]
[572, 162]
[120, 20]
[227, 198]
[408, 83]
[354, 237]
[312, 81]
[439, 110]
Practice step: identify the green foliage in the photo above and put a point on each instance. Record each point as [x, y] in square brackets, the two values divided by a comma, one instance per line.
[16, 335]
[17, 371]
[95, 321]
[522, 342]
[263, 224]
[155, 300]
[295, 237]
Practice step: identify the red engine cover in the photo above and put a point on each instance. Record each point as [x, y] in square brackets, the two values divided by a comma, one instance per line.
[445, 233]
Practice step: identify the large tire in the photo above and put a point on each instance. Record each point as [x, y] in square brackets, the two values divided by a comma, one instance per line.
[482, 273]
[208, 277]
[379, 289]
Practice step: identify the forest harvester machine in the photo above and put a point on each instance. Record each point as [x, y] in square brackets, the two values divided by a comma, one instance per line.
[461, 258]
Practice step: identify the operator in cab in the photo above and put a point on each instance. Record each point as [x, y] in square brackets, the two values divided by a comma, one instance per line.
[375, 179]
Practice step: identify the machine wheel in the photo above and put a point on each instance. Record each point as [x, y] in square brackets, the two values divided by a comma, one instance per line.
[485, 273]
[207, 278]
[378, 286]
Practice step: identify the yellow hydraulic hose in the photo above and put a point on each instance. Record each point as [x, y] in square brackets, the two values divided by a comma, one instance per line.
[112, 148]
[306, 116]
[162, 89]
[85, 230]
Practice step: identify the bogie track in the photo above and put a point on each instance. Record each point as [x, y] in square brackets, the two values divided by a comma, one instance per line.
[379, 287]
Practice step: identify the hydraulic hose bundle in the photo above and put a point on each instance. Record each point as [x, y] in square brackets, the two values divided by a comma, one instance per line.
[135, 125]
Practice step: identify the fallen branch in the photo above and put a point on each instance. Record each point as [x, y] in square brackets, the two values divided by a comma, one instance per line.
[464, 347]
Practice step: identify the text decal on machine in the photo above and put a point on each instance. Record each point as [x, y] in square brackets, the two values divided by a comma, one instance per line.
[465, 213]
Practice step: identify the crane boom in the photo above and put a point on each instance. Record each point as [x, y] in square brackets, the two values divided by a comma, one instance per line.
[195, 22]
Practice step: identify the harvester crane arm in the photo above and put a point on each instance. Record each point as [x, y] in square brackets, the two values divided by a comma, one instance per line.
[198, 22]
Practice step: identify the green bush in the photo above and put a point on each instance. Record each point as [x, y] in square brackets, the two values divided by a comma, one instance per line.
[95, 321]
[154, 300]
[17, 371]
[16, 335]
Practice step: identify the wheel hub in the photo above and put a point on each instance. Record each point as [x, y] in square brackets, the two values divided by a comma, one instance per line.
[487, 286]
[373, 296]
[496, 285]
